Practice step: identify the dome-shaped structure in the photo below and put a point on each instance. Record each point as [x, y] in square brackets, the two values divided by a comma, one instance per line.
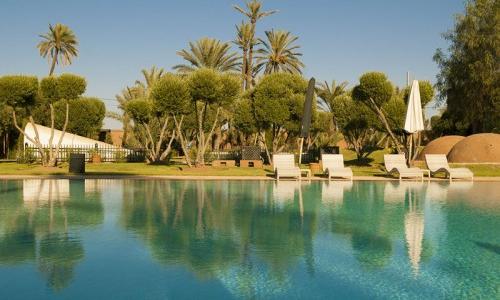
[441, 145]
[477, 148]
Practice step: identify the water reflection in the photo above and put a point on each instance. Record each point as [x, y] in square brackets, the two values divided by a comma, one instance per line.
[259, 239]
[38, 222]
[263, 229]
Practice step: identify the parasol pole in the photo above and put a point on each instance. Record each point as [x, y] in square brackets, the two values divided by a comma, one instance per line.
[306, 116]
[301, 145]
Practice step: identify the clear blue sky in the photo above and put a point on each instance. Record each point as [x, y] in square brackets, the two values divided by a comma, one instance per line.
[340, 39]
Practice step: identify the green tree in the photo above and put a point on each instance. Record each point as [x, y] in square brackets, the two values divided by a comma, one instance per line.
[329, 96]
[127, 94]
[245, 38]
[208, 53]
[357, 124]
[469, 81]
[151, 76]
[18, 95]
[171, 96]
[278, 101]
[375, 90]
[87, 116]
[58, 45]
[254, 13]
[426, 92]
[210, 91]
[279, 54]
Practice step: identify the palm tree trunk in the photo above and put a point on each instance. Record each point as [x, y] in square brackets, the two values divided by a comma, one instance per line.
[244, 68]
[54, 60]
[249, 78]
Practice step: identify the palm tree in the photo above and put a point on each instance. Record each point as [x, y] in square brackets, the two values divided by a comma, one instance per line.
[329, 95]
[245, 39]
[253, 13]
[208, 53]
[279, 54]
[151, 76]
[127, 94]
[59, 45]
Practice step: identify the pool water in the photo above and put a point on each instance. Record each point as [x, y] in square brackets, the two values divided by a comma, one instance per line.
[157, 239]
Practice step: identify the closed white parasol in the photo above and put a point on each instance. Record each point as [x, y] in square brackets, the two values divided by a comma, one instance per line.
[414, 121]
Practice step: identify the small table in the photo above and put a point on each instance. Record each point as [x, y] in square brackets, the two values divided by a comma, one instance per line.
[315, 168]
[307, 171]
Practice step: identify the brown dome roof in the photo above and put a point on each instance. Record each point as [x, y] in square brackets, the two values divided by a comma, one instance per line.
[477, 148]
[441, 145]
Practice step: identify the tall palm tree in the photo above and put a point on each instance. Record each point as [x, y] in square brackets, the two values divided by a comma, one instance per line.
[127, 94]
[208, 53]
[245, 38]
[151, 76]
[279, 54]
[254, 13]
[59, 45]
[329, 95]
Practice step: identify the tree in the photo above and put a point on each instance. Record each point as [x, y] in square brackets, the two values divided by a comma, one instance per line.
[210, 91]
[254, 13]
[208, 53]
[279, 54]
[87, 116]
[374, 90]
[244, 119]
[357, 124]
[171, 96]
[24, 94]
[150, 128]
[469, 81]
[329, 95]
[426, 92]
[127, 94]
[18, 94]
[58, 45]
[245, 38]
[151, 76]
[278, 101]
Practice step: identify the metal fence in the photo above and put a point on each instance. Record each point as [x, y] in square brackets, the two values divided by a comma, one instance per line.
[106, 153]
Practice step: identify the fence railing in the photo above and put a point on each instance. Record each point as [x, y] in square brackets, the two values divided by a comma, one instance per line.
[116, 154]
[106, 154]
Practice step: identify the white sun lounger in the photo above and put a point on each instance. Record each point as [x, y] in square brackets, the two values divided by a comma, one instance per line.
[284, 166]
[396, 163]
[333, 166]
[439, 163]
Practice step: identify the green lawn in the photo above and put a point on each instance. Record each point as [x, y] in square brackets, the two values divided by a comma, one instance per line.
[372, 166]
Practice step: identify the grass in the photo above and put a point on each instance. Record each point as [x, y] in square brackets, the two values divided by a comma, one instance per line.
[371, 166]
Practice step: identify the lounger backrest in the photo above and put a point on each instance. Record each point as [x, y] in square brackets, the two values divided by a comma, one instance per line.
[332, 161]
[285, 161]
[436, 161]
[392, 161]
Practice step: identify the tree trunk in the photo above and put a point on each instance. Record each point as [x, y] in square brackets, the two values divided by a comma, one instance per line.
[378, 111]
[178, 126]
[249, 70]
[203, 139]
[263, 137]
[244, 69]
[54, 60]
[54, 152]
[35, 141]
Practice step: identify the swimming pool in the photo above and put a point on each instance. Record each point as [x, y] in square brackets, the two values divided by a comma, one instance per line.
[136, 239]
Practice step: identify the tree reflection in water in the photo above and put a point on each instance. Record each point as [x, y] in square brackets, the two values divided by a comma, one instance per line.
[219, 229]
[36, 225]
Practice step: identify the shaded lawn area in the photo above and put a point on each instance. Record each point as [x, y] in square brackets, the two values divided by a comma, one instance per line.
[372, 166]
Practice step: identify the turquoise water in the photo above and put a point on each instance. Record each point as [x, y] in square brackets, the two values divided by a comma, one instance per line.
[158, 239]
